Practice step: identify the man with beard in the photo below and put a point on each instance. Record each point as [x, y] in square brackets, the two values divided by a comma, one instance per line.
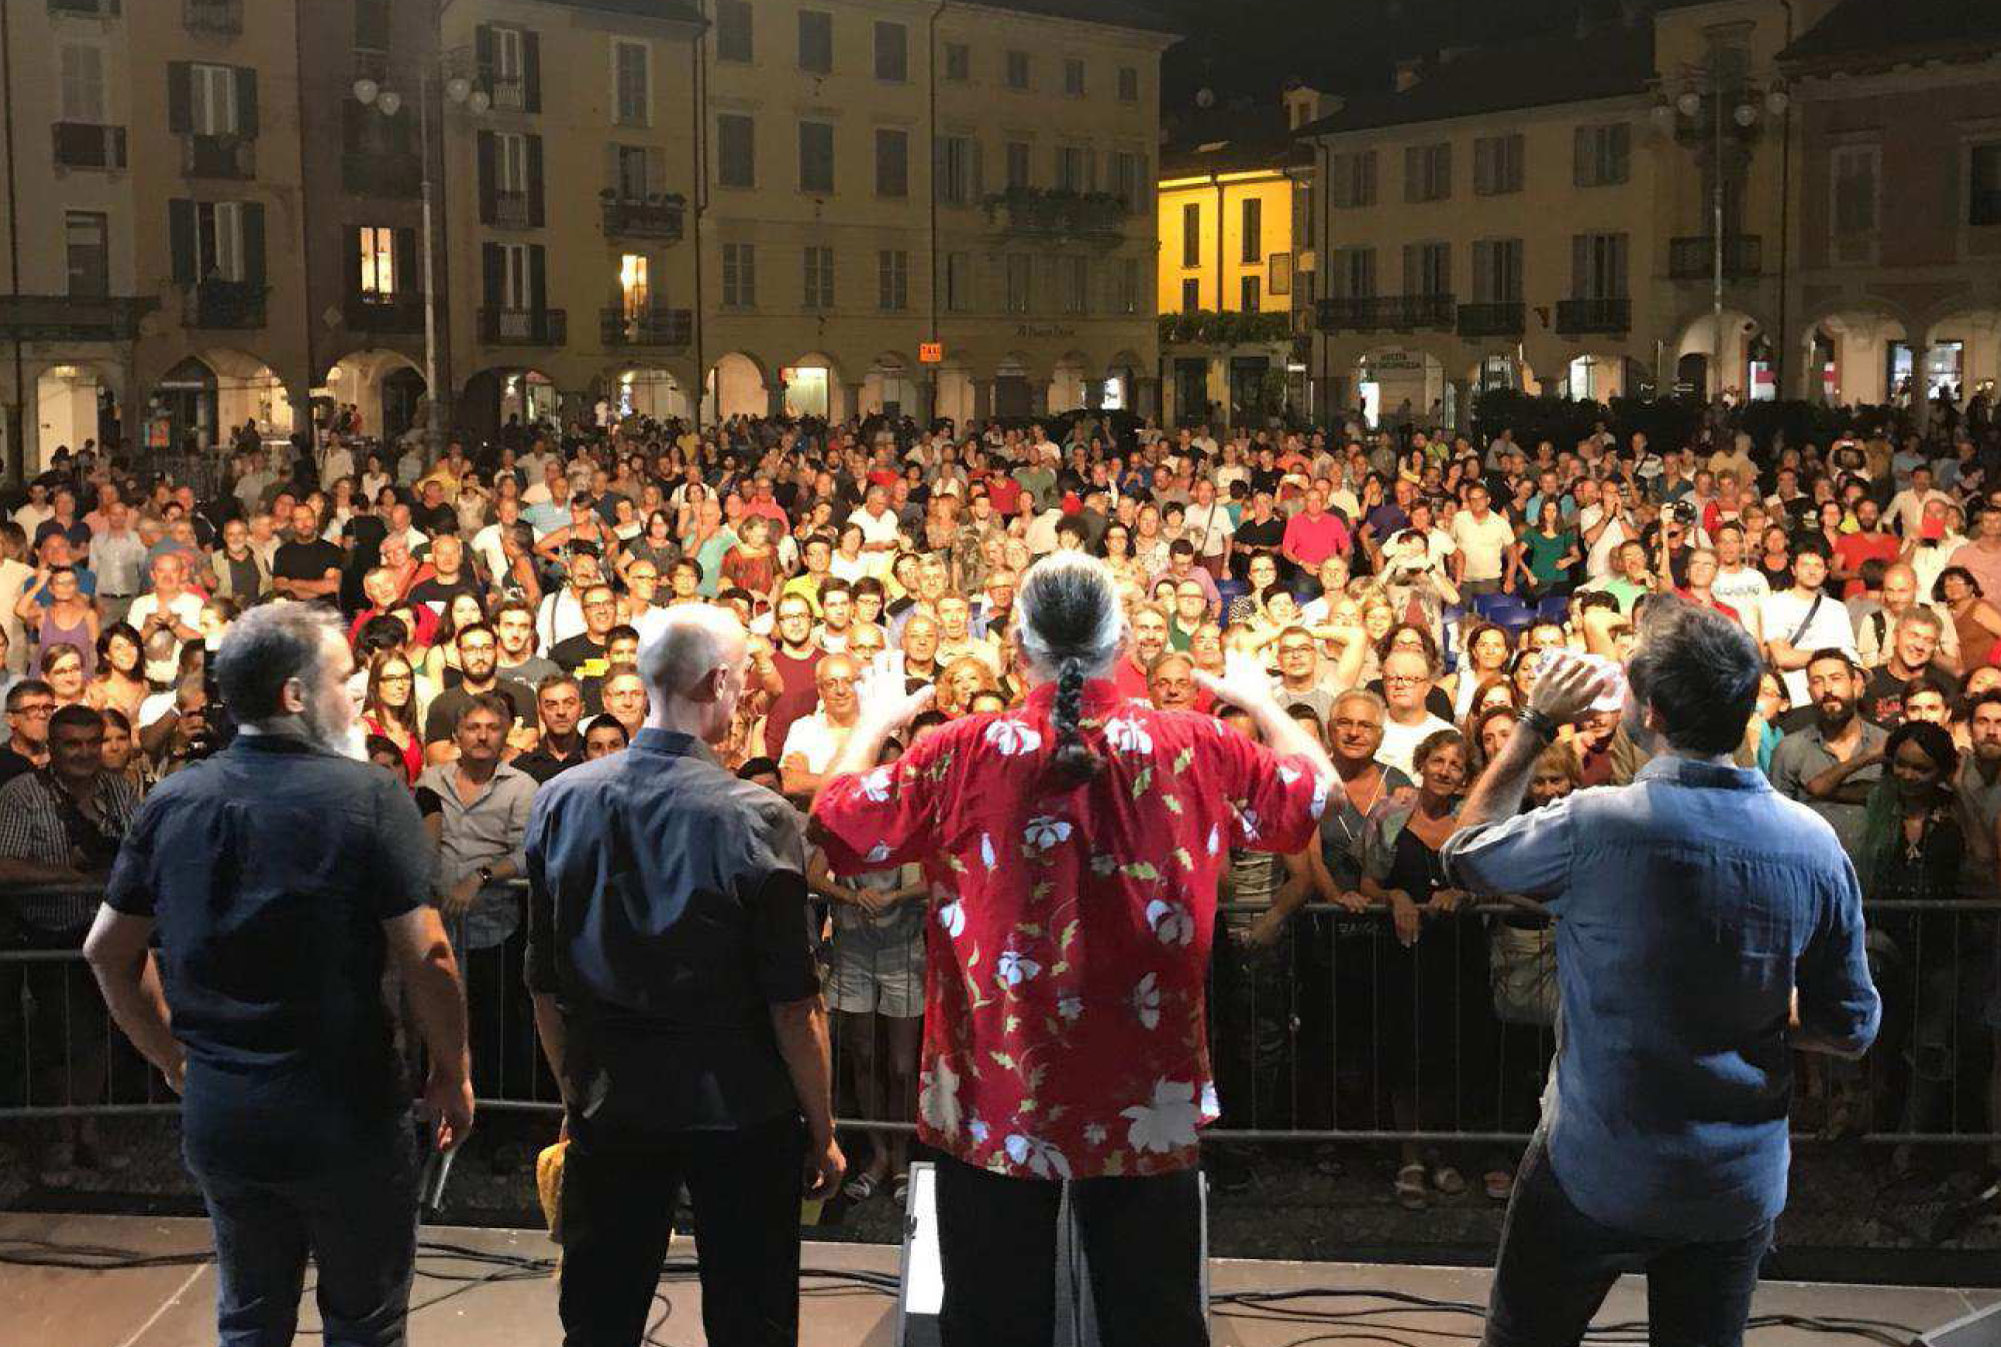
[514, 633]
[1149, 639]
[1802, 621]
[1837, 734]
[307, 567]
[479, 674]
[795, 657]
[560, 700]
[1979, 792]
[1914, 642]
[270, 961]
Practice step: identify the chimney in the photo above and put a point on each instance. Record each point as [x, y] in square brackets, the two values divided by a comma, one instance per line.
[1410, 71]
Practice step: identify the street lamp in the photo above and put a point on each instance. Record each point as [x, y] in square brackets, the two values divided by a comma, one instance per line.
[1737, 96]
[459, 91]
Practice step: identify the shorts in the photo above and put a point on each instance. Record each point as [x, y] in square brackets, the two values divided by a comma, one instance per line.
[877, 973]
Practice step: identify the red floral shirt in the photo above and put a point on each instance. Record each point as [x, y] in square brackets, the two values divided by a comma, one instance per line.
[1064, 1028]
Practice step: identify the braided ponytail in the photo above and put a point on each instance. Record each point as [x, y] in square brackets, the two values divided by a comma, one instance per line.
[1070, 627]
[1074, 762]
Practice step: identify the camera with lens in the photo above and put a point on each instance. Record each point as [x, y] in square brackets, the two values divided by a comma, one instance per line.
[1679, 513]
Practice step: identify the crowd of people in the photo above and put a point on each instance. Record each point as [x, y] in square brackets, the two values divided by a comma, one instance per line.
[1397, 587]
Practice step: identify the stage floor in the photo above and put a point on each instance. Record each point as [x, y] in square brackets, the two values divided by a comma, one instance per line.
[174, 1306]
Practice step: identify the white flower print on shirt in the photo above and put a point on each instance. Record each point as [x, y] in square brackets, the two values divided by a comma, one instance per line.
[1212, 1108]
[1011, 738]
[1070, 1006]
[1171, 922]
[977, 1130]
[1044, 832]
[1167, 1122]
[1094, 1135]
[938, 1101]
[1128, 736]
[1215, 839]
[876, 785]
[986, 851]
[878, 853]
[952, 917]
[1042, 1159]
[1146, 1001]
[1015, 969]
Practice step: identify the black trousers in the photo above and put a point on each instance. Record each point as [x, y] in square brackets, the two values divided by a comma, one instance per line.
[1142, 1238]
[360, 1226]
[1557, 1265]
[618, 1215]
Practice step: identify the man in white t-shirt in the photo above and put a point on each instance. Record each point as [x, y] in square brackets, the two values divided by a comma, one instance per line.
[170, 605]
[1483, 539]
[1604, 524]
[1737, 585]
[1804, 619]
[813, 742]
[880, 531]
[1207, 525]
[486, 544]
[1407, 679]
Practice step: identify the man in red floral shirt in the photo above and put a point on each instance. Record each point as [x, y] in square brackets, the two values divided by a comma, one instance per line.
[1065, 1033]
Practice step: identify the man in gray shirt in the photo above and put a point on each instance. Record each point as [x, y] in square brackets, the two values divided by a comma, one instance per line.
[1837, 734]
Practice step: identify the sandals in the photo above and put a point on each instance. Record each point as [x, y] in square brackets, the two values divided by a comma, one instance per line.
[1447, 1180]
[1499, 1185]
[899, 1188]
[1410, 1187]
[860, 1188]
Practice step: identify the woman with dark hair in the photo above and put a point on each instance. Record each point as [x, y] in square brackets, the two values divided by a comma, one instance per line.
[1083, 837]
[120, 681]
[1912, 848]
[1975, 621]
[1775, 559]
[389, 708]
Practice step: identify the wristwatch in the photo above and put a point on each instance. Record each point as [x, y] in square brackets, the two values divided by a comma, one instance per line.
[485, 875]
[1538, 724]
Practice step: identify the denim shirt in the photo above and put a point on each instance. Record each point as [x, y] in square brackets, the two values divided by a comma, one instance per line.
[1690, 904]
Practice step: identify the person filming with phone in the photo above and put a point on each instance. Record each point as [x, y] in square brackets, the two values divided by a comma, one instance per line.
[1706, 929]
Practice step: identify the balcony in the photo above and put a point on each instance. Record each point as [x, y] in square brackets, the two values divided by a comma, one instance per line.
[1497, 319]
[657, 217]
[524, 327]
[382, 173]
[1589, 317]
[510, 210]
[509, 93]
[1061, 216]
[658, 328]
[88, 145]
[220, 18]
[224, 156]
[1693, 258]
[222, 304]
[72, 317]
[1385, 313]
[385, 313]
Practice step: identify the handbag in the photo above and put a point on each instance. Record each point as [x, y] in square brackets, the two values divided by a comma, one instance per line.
[1522, 971]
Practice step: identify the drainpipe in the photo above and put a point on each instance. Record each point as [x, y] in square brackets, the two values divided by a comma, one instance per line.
[17, 430]
[931, 85]
[698, 92]
[1783, 355]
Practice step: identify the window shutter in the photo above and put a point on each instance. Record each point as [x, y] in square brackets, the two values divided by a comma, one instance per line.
[482, 44]
[181, 240]
[1444, 269]
[656, 170]
[531, 71]
[535, 181]
[538, 279]
[1413, 173]
[408, 264]
[253, 243]
[614, 176]
[1413, 269]
[1483, 167]
[1616, 283]
[180, 98]
[351, 258]
[1483, 273]
[1580, 158]
[1442, 188]
[487, 174]
[1580, 266]
[246, 102]
[1622, 151]
[493, 274]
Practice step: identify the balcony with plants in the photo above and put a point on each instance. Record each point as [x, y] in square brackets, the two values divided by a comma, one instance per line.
[1207, 327]
[1058, 214]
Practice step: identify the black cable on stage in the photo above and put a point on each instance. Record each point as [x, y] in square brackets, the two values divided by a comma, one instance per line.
[1273, 1306]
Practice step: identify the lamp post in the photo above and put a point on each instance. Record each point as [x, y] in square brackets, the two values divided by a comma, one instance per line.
[460, 91]
[1730, 97]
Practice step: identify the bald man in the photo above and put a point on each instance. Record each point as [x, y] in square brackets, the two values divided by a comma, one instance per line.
[678, 1002]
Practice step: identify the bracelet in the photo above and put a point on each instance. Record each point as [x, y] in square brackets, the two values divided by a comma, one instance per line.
[1538, 724]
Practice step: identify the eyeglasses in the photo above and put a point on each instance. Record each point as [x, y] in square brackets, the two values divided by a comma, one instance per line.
[38, 711]
[1401, 680]
[394, 678]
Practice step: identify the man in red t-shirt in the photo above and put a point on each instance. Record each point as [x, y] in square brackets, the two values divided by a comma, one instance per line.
[1868, 540]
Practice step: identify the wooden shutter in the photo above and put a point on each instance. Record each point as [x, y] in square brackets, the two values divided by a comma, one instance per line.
[531, 71]
[180, 98]
[1413, 268]
[535, 181]
[482, 43]
[1580, 266]
[488, 172]
[538, 279]
[493, 274]
[409, 280]
[181, 240]
[656, 170]
[253, 243]
[1621, 137]
[1483, 166]
[1581, 172]
[1615, 287]
[246, 102]
[1413, 173]
[351, 259]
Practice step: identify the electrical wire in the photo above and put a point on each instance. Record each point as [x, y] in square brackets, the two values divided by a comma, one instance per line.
[438, 1260]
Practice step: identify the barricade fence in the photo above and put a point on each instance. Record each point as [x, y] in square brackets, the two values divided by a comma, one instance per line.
[1332, 1031]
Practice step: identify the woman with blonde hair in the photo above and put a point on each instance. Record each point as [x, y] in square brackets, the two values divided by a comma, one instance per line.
[961, 680]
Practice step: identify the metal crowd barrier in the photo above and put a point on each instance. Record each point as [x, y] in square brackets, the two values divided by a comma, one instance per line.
[1335, 1033]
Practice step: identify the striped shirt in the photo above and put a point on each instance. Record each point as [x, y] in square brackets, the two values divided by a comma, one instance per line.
[31, 829]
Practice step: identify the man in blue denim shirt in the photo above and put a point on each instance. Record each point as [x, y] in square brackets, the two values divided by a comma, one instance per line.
[1707, 928]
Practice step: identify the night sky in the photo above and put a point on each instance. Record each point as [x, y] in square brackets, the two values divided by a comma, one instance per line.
[1247, 48]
